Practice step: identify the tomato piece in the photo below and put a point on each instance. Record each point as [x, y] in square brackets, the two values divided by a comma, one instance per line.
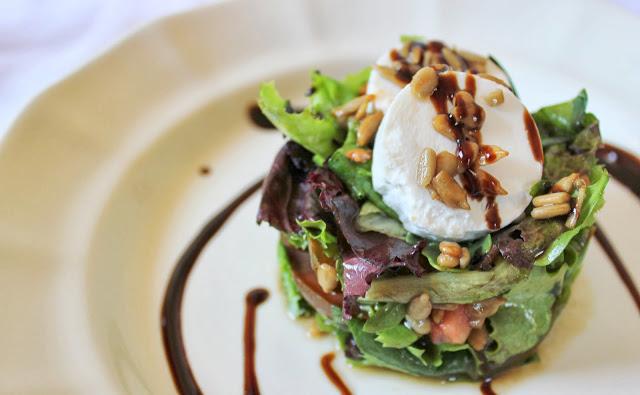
[454, 327]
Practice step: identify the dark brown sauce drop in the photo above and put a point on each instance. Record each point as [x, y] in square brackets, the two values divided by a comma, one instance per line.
[404, 73]
[447, 87]
[533, 136]
[470, 84]
[327, 366]
[258, 118]
[435, 46]
[171, 320]
[485, 387]
[204, 170]
[253, 299]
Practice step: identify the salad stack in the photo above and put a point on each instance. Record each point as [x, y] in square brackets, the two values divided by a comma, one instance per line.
[427, 260]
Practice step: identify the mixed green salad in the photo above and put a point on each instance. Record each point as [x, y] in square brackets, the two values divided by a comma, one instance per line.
[347, 260]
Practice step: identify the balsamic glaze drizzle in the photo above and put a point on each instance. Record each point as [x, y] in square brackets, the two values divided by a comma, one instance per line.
[253, 299]
[326, 363]
[171, 320]
[485, 387]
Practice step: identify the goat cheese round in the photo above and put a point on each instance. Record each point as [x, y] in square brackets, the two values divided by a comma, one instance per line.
[384, 90]
[406, 131]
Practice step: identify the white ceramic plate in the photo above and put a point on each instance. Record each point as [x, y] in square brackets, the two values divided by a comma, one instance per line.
[100, 192]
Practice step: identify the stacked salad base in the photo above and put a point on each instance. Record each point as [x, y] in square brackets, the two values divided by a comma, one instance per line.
[347, 260]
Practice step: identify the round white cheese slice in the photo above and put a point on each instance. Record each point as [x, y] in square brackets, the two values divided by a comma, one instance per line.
[406, 130]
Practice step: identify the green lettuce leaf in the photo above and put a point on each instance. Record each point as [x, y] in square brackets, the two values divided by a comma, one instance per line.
[385, 316]
[407, 38]
[570, 137]
[298, 240]
[593, 202]
[577, 155]
[447, 287]
[480, 247]
[398, 336]
[329, 93]
[356, 176]
[454, 365]
[296, 305]
[573, 258]
[433, 354]
[313, 132]
[564, 119]
[317, 230]
[526, 317]
[371, 218]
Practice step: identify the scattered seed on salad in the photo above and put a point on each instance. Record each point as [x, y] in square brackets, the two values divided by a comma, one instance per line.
[584, 178]
[415, 55]
[359, 155]
[452, 194]
[565, 184]
[404, 51]
[555, 210]
[421, 327]
[350, 107]
[448, 261]
[573, 217]
[419, 307]
[440, 67]
[434, 195]
[368, 127]
[474, 151]
[466, 110]
[494, 79]
[424, 82]
[446, 161]
[491, 154]
[390, 74]
[450, 248]
[437, 315]
[551, 198]
[478, 338]
[465, 259]
[452, 59]
[477, 67]
[494, 98]
[362, 110]
[471, 57]
[441, 124]
[427, 57]
[327, 277]
[317, 255]
[426, 167]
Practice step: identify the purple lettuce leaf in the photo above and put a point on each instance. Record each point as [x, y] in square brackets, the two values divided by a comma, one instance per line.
[365, 254]
[285, 194]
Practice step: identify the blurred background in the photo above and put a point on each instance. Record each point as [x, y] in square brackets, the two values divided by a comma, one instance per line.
[41, 41]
